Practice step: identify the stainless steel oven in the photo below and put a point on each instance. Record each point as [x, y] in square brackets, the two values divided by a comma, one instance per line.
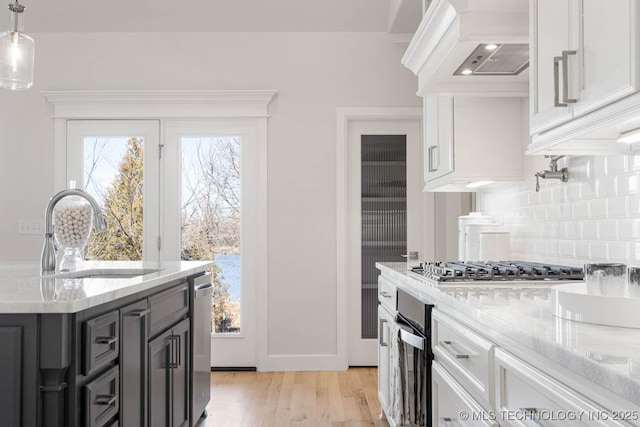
[415, 357]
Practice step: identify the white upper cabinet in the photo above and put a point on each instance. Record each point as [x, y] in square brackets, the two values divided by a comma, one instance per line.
[472, 141]
[584, 67]
[454, 35]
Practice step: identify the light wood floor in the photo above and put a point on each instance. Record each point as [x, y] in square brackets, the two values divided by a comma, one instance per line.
[275, 399]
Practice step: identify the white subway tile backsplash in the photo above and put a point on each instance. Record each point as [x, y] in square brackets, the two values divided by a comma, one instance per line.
[615, 164]
[598, 209]
[606, 187]
[580, 210]
[627, 184]
[567, 248]
[607, 230]
[598, 251]
[594, 216]
[629, 229]
[582, 249]
[619, 251]
[589, 230]
[617, 207]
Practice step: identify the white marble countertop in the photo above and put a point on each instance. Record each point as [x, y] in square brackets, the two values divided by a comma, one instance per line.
[22, 290]
[606, 355]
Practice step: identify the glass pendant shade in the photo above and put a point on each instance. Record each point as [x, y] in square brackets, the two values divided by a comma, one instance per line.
[17, 52]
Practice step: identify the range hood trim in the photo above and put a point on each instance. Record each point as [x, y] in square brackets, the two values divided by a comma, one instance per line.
[448, 34]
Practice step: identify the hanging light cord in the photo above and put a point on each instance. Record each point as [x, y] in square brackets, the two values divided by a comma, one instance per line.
[16, 8]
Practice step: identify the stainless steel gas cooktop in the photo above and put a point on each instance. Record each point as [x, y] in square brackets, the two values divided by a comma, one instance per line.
[500, 271]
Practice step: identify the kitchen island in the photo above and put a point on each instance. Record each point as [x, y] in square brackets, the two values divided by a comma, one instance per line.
[504, 346]
[108, 345]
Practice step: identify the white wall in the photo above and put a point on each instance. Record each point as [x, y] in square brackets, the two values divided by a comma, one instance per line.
[314, 73]
[593, 217]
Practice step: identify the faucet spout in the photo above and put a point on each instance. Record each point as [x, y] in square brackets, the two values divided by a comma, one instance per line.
[49, 250]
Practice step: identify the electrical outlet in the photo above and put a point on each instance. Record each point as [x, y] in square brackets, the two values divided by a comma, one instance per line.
[30, 226]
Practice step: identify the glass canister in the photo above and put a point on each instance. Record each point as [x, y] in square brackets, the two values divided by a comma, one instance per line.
[72, 218]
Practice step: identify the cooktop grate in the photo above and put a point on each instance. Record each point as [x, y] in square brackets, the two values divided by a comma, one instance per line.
[496, 271]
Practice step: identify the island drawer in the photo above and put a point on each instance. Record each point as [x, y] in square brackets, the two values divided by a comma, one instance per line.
[525, 395]
[102, 399]
[101, 341]
[387, 294]
[451, 402]
[168, 307]
[466, 355]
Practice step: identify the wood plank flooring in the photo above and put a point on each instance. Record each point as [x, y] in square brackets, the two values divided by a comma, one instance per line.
[275, 399]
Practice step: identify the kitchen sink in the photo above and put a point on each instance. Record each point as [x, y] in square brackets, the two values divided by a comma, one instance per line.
[97, 273]
[572, 301]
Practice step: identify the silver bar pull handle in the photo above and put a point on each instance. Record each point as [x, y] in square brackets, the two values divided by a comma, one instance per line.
[556, 81]
[106, 340]
[381, 334]
[451, 350]
[432, 151]
[530, 417]
[138, 313]
[385, 294]
[565, 77]
[412, 340]
[447, 421]
[106, 399]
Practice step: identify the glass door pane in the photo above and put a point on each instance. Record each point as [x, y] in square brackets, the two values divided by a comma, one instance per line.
[117, 163]
[113, 175]
[210, 219]
[384, 215]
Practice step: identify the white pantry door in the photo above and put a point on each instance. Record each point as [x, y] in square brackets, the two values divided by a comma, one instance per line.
[210, 209]
[384, 210]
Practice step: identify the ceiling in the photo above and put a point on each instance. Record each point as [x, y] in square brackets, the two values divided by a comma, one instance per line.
[207, 15]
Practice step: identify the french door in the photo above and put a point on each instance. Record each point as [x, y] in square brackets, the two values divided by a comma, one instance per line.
[180, 190]
[383, 218]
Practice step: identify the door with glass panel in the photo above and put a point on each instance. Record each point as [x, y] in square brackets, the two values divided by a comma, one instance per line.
[116, 162]
[384, 219]
[210, 201]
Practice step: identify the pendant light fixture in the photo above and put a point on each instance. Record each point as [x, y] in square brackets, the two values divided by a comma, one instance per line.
[16, 52]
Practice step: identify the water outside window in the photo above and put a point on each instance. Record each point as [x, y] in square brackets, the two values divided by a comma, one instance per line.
[210, 220]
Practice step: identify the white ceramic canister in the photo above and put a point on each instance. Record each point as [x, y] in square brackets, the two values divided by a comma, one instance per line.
[495, 246]
[463, 221]
[473, 239]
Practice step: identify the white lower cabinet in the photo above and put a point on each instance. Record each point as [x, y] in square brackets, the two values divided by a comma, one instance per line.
[387, 351]
[452, 406]
[525, 396]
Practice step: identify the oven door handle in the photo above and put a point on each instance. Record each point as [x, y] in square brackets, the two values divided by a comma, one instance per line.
[411, 339]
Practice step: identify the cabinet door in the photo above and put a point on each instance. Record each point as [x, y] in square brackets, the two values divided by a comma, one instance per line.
[133, 364]
[550, 35]
[608, 52]
[439, 136]
[179, 364]
[451, 401]
[160, 381]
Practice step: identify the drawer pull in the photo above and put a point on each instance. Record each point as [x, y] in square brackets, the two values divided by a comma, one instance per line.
[106, 340]
[446, 421]
[106, 399]
[381, 333]
[453, 351]
[385, 294]
[528, 415]
[138, 313]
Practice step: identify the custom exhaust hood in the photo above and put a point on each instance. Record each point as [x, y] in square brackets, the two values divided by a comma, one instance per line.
[467, 47]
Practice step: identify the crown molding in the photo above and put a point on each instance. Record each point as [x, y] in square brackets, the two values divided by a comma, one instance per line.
[141, 104]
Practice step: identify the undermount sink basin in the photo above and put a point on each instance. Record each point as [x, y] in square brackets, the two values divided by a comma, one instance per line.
[107, 274]
[571, 301]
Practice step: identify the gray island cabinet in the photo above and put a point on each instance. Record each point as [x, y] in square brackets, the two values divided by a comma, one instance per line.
[118, 354]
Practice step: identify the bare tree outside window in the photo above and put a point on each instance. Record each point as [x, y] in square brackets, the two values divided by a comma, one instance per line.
[210, 212]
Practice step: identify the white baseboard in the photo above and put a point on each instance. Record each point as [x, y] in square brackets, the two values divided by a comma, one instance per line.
[303, 362]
